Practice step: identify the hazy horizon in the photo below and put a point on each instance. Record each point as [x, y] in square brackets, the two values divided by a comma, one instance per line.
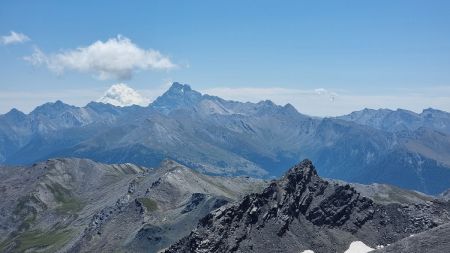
[325, 59]
[238, 94]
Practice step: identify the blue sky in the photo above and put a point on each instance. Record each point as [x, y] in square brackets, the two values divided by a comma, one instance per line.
[325, 57]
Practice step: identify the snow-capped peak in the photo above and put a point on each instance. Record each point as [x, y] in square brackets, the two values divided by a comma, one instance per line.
[122, 95]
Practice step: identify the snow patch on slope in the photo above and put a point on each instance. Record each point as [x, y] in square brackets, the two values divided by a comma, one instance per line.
[358, 247]
[123, 95]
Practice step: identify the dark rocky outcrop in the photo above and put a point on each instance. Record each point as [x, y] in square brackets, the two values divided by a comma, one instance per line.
[302, 211]
[194, 201]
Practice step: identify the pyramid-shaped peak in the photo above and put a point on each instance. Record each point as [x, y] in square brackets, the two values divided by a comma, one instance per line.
[178, 96]
[15, 112]
[51, 107]
[15, 115]
[179, 88]
[303, 170]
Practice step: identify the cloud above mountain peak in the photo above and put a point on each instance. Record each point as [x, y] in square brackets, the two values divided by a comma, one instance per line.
[117, 58]
[122, 95]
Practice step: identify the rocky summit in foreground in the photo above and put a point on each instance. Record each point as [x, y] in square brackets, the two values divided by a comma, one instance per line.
[303, 212]
[78, 205]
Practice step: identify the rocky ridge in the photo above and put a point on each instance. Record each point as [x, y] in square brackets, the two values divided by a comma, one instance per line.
[77, 205]
[301, 211]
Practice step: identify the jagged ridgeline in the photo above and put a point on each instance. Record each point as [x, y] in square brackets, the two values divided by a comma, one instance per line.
[77, 205]
[303, 212]
[222, 137]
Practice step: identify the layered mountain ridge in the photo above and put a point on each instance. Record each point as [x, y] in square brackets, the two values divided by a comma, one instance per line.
[224, 137]
[401, 120]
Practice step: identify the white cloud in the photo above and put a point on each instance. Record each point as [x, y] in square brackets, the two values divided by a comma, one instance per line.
[14, 38]
[320, 91]
[26, 101]
[122, 95]
[323, 102]
[115, 58]
[327, 93]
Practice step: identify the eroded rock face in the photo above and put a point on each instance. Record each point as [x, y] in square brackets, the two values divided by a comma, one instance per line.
[302, 211]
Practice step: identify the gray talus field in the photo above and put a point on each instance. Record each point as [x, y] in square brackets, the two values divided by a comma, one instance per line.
[431, 241]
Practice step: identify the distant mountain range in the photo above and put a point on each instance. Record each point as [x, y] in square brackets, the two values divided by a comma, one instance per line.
[224, 137]
[401, 120]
